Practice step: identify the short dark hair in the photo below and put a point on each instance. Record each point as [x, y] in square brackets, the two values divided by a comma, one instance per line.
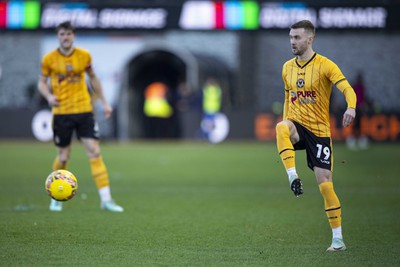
[67, 25]
[304, 24]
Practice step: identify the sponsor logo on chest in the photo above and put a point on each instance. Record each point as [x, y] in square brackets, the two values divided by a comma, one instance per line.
[303, 97]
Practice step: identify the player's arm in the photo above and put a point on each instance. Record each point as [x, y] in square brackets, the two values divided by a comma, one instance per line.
[98, 90]
[335, 75]
[286, 105]
[351, 100]
[45, 91]
[286, 101]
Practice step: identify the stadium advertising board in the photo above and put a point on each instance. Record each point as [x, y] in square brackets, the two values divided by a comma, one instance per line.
[261, 126]
[18, 15]
[84, 16]
[379, 127]
[196, 15]
[282, 15]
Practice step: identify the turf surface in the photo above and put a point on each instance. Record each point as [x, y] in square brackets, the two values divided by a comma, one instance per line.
[195, 204]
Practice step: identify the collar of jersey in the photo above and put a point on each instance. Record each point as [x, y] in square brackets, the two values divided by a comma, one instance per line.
[300, 66]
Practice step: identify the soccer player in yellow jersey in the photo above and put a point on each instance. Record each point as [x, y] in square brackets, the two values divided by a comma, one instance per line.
[308, 80]
[68, 95]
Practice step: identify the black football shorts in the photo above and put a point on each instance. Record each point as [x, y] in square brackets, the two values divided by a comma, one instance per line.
[83, 124]
[318, 149]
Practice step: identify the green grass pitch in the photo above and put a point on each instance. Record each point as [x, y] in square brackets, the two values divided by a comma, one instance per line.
[196, 204]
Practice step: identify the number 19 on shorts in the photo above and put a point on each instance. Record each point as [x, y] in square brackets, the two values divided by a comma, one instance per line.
[323, 154]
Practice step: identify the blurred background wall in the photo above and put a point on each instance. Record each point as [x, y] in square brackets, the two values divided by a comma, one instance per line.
[240, 44]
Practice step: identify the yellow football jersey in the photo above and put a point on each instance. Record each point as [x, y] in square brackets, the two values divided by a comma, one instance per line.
[308, 88]
[67, 80]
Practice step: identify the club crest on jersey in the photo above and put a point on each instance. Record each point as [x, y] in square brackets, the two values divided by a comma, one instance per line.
[69, 68]
[300, 83]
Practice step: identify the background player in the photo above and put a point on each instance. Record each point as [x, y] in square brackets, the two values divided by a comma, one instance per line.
[308, 80]
[72, 110]
[357, 139]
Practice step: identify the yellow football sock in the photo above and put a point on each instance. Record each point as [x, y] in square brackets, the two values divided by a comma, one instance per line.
[332, 204]
[284, 145]
[99, 172]
[58, 165]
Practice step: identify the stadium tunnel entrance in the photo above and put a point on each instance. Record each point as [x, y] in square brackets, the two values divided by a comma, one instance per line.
[182, 73]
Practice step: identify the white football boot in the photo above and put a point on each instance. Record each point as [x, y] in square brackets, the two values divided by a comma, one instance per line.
[337, 245]
[111, 206]
[55, 205]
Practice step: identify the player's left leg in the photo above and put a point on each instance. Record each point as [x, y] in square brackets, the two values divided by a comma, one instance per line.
[87, 132]
[100, 174]
[332, 207]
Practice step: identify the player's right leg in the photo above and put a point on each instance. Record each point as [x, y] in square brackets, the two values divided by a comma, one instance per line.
[286, 135]
[62, 131]
[60, 163]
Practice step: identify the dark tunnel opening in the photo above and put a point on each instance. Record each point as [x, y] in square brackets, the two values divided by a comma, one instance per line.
[184, 74]
[145, 70]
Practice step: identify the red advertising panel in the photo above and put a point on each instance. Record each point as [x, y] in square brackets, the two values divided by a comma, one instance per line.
[3, 14]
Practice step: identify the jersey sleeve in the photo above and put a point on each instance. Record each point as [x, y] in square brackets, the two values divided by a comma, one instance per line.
[286, 87]
[88, 66]
[45, 66]
[337, 78]
[348, 93]
[333, 72]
